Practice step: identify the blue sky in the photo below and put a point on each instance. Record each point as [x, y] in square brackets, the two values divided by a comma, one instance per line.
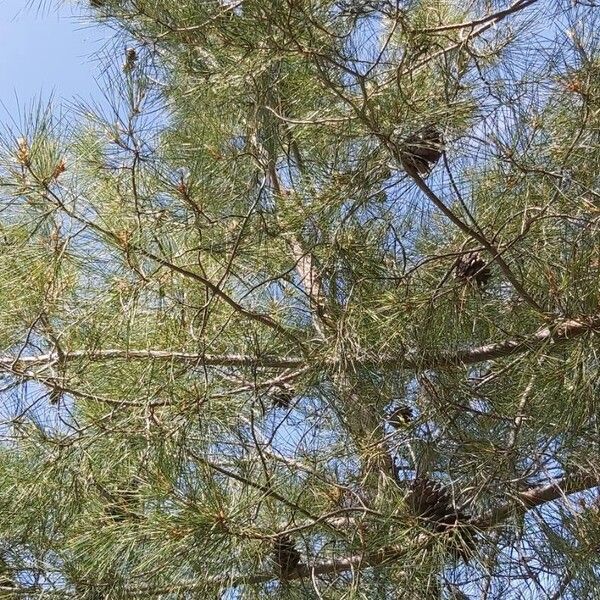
[47, 51]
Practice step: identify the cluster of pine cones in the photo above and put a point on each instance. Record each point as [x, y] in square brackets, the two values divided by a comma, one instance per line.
[429, 501]
[420, 152]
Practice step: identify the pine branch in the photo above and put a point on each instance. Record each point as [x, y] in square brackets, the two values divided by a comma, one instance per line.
[496, 17]
[551, 336]
[418, 360]
[526, 500]
[536, 496]
[470, 231]
[215, 289]
[192, 358]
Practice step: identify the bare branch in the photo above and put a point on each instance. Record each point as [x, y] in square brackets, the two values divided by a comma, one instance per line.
[551, 337]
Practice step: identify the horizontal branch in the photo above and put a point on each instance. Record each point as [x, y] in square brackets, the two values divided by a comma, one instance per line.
[193, 358]
[533, 497]
[332, 566]
[417, 360]
[556, 335]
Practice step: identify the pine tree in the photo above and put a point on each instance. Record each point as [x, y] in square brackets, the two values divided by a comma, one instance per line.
[290, 220]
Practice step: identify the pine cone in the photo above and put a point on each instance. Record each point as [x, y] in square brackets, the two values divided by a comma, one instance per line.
[430, 501]
[471, 266]
[423, 149]
[285, 555]
[130, 59]
[281, 399]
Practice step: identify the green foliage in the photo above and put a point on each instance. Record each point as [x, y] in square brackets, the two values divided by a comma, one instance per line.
[218, 290]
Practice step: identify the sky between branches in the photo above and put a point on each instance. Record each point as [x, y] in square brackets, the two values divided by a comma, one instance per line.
[47, 51]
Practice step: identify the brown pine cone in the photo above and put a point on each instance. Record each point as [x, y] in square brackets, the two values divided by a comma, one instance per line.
[285, 555]
[423, 149]
[281, 399]
[430, 501]
[471, 267]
